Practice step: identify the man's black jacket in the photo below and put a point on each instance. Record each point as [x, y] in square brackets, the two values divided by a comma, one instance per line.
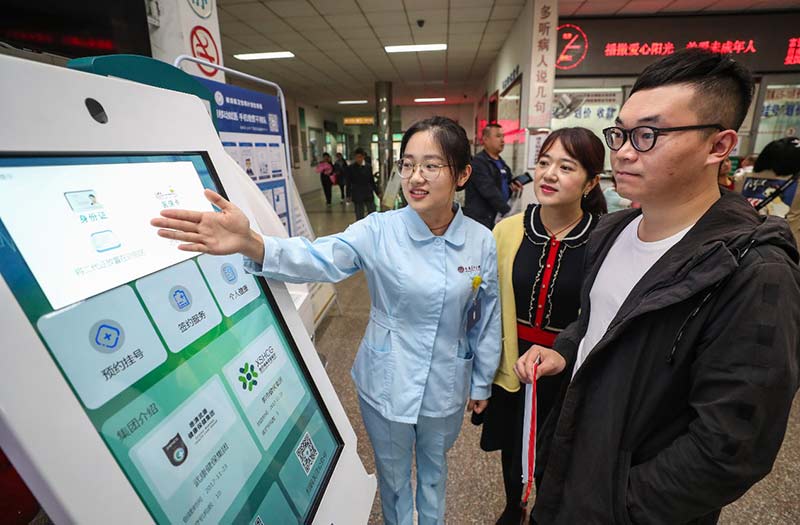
[682, 406]
[362, 183]
[483, 193]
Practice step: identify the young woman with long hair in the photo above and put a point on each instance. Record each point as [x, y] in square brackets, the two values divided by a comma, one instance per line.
[540, 258]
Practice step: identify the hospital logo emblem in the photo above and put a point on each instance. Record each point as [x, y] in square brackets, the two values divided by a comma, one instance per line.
[219, 98]
[176, 450]
[248, 377]
[201, 8]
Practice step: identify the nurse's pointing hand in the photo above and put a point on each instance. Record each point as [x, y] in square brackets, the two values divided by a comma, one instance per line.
[216, 233]
[551, 363]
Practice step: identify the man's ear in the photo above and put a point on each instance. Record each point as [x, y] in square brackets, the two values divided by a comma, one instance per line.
[721, 148]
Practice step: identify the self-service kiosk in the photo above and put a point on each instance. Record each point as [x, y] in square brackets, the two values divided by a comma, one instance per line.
[143, 384]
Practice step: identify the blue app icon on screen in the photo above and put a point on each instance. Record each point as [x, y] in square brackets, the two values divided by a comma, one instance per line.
[229, 273]
[107, 336]
[181, 299]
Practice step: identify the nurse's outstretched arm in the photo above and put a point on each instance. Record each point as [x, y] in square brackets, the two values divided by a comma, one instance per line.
[331, 258]
[216, 233]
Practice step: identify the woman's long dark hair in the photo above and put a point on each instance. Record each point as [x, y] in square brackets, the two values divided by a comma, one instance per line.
[585, 147]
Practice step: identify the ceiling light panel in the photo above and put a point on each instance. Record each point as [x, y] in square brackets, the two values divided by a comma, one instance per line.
[265, 56]
[415, 48]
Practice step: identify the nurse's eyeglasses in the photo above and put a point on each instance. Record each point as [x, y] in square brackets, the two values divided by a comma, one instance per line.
[429, 170]
[643, 138]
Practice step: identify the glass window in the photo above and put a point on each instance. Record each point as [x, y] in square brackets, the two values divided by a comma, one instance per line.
[594, 109]
[316, 142]
[780, 115]
[508, 116]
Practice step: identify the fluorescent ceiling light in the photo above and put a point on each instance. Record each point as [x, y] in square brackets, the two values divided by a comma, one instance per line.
[414, 49]
[265, 56]
[353, 101]
[435, 99]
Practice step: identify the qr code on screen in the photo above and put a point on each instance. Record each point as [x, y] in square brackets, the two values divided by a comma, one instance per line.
[307, 453]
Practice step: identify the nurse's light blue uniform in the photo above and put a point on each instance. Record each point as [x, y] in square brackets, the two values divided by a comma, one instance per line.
[417, 362]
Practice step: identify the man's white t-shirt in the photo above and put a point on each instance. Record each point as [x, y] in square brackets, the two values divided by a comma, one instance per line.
[625, 264]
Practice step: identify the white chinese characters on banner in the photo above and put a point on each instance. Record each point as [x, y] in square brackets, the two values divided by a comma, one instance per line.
[543, 57]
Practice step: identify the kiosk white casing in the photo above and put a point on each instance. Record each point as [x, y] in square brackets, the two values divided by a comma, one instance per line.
[43, 428]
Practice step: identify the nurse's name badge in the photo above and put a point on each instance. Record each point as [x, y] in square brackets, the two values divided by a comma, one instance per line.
[474, 312]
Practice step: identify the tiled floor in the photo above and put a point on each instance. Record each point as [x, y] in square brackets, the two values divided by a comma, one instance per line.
[474, 487]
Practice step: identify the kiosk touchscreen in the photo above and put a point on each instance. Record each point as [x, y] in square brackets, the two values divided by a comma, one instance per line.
[144, 383]
[183, 363]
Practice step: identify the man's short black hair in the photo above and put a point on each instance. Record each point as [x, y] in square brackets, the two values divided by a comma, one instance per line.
[723, 87]
[488, 127]
[360, 151]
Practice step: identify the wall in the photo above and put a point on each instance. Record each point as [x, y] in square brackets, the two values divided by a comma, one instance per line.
[516, 51]
[464, 114]
[305, 177]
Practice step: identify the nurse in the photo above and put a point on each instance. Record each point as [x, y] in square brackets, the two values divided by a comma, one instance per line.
[433, 339]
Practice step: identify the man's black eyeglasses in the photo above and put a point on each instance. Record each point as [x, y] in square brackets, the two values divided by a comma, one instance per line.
[643, 138]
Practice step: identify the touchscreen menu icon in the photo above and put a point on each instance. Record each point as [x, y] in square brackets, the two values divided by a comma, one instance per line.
[106, 336]
[232, 286]
[180, 298]
[180, 303]
[100, 356]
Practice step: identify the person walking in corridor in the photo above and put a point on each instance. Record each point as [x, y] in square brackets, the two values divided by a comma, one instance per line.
[362, 185]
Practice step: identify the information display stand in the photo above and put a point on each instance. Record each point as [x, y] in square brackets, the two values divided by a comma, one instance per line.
[143, 384]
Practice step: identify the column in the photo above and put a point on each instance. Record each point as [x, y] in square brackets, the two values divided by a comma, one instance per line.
[383, 108]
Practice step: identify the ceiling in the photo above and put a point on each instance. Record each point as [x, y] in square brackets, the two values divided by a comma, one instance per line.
[338, 44]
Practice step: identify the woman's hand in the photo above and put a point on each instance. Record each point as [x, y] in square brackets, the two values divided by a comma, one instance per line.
[477, 405]
[215, 233]
[550, 364]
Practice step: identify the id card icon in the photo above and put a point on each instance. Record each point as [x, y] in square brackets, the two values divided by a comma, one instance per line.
[83, 201]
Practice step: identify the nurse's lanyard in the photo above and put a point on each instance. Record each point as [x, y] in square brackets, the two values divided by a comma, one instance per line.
[531, 441]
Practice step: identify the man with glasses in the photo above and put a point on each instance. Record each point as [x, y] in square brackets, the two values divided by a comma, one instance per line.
[681, 369]
[487, 191]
